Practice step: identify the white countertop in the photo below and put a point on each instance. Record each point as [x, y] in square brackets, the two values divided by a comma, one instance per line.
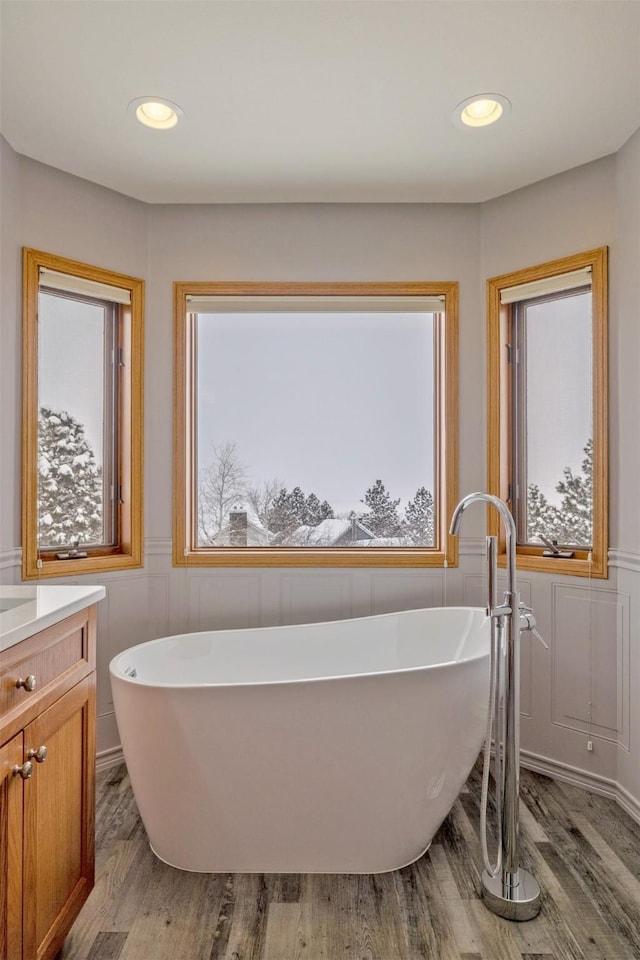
[27, 609]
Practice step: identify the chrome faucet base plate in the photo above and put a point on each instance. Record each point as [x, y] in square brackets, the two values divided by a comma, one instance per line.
[513, 903]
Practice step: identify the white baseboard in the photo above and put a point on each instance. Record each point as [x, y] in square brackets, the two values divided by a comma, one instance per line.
[591, 782]
[109, 758]
[629, 803]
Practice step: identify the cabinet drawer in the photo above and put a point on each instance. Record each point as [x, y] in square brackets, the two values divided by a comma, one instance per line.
[61, 653]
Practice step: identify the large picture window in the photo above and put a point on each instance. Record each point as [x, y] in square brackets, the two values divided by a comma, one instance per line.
[315, 424]
[82, 448]
[548, 411]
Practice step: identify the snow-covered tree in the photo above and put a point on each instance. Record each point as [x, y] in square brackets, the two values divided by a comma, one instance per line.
[296, 504]
[70, 489]
[222, 486]
[291, 509]
[542, 516]
[419, 519]
[382, 517]
[283, 517]
[576, 509]
[315, 512]
[261, 498]
[572, 521]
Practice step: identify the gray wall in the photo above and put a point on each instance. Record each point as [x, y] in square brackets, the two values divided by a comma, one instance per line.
[625, 429]
[592, 629]
[10, 348]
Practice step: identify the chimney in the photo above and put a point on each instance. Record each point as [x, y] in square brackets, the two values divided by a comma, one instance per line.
[238, 528]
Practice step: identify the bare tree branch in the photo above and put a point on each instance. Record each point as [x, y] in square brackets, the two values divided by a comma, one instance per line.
[222, 486]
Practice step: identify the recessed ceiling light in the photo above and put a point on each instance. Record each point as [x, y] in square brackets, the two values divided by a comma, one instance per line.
[156, 112]
[481, 110]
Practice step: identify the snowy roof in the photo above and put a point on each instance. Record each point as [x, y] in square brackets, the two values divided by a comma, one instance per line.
[328, 531]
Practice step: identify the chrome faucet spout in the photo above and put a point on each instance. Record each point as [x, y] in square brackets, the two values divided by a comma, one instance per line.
[509, 528]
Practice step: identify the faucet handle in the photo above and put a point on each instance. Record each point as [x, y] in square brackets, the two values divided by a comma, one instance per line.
[539, 637]
[528, 622]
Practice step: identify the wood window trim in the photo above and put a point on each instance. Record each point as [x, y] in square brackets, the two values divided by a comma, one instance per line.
[128, 551]
[185, 555]
[499, 413]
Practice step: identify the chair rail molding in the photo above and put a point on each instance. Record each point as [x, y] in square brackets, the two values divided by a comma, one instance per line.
[10, 558]
[625, 560]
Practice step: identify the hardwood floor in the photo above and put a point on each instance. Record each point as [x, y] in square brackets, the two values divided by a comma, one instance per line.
[583, 850]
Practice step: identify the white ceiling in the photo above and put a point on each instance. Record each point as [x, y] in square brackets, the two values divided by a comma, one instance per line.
[318, 100]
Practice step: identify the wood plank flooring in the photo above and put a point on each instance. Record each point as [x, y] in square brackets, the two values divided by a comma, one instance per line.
[583, 850]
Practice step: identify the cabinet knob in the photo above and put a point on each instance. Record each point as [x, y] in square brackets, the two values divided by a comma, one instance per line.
[39, 755]
[25, 771]
[29, 683]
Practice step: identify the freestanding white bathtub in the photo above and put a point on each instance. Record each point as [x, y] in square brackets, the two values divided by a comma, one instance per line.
[322, 748]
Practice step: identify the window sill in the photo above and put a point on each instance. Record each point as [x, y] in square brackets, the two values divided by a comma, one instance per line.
[325, 557]
[578, 566]
[81, 566]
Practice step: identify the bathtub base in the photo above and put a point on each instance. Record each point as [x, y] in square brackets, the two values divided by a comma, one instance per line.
[232, 869]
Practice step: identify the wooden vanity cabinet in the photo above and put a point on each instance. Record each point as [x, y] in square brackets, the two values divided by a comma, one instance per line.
[47, 787]
[11, 754]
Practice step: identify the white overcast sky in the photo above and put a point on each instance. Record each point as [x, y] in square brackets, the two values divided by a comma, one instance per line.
[327, 402]
[71, 364]
[558, 367]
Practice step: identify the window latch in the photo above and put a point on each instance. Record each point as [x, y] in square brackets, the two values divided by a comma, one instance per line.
[554, 551]
[73, 553]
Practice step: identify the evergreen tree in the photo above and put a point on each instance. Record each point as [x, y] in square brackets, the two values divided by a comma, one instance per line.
[382, 518]
[282, 517]
[315, 512]
[572, 521]
[576, 509]
[70, 490]
[291, 509]
[542, 516]
[419, 519]
[297, 505]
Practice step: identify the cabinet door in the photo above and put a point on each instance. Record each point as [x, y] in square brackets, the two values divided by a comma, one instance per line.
[11, 851]
[59, 820]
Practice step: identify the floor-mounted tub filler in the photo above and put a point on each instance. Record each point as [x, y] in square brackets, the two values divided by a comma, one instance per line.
[321, 748]
[506, 888]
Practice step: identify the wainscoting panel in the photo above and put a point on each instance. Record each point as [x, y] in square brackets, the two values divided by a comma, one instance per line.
[158, 593]
[123, 621]
[223, 600]
[590, 672]
[474, 592]
[308, 597]
[411, 590]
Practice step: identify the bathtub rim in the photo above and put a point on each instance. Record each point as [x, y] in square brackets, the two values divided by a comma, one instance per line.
[120, 674]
